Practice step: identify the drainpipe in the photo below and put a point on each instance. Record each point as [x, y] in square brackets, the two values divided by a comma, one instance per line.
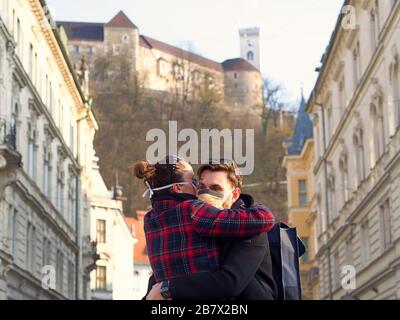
[328, 246]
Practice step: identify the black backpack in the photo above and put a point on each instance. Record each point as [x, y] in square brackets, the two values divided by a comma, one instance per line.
[286, 249]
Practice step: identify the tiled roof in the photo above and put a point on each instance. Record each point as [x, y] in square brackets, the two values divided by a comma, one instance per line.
[83, 30]
[120, 20]
[140, 249]
[151, 43]
[238, 64]
[302, 131]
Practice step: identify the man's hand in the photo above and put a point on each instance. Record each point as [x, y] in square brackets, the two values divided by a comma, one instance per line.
[155, 293]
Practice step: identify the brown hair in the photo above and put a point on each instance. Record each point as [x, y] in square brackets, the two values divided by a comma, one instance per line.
[158, 175]
[230, 169]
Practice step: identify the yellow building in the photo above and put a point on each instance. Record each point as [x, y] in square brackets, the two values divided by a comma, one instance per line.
[298, 163]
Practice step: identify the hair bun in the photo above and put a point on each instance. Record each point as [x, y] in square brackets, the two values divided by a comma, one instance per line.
[143, 170]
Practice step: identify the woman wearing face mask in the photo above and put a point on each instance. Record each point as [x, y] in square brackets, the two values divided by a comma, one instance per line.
[180, 228]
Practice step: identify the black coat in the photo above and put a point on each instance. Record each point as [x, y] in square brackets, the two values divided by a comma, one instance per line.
[245, 273]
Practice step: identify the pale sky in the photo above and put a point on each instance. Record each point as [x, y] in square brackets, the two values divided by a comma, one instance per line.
[294, 33]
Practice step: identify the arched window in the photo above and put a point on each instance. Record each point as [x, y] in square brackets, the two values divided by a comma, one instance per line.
[378, 129]
[250, 55]
[344, 175]
[359, 153]
[394, 76]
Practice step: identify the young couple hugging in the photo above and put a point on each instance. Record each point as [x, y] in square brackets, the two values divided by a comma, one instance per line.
[205, 239]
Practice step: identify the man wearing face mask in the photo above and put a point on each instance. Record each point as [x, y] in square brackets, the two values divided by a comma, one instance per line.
[246, 267]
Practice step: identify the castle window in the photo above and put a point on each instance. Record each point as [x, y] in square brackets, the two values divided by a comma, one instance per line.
[250, 56]
[77, 49]
[125, 38]
[116, 49]
[90, 50]
[161, 68]
[235, 75]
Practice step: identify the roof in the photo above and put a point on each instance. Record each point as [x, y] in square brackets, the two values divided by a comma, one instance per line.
[90, 31]
[151, 43]
[238, 64]
[140, 248]
[303, 130]
[120, 20]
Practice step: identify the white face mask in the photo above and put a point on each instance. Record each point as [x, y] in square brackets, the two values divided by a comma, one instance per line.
[151, 191]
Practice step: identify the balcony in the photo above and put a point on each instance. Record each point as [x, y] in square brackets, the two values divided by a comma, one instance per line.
[10, 158]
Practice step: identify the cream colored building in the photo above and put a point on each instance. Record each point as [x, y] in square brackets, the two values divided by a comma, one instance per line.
[113, 278]
[46, 153]
[165, 68]
[356, 106]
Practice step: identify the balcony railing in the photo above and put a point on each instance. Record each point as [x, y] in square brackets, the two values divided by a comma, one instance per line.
[8, 134]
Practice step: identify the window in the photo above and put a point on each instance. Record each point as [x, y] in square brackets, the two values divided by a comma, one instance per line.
[235, 75]
[101, 231]
[18, 40]
[71, 201]
[349, 251]
[30, 247]
[72, 138]
[116, 49]
[331, 198]
[344, 177]
[396, 91]
[342, 95]
[101, 278]
[77, 49]
[46, 252]
[47, 171]
[71, 279]
[90, 50]
[356, 65]
[35, 78]
[32, 137]
[359, 156]
[385, 225]
[60, 188]
[250, 55]
[302, 193]
[14, 231]
[59, 271]
[336, 270]
[125, 38]
[162, 68]
[373, 28]
[378, 128]
[365, 242]
[31, 62]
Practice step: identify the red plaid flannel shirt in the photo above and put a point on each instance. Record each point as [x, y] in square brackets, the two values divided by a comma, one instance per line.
[180, 235]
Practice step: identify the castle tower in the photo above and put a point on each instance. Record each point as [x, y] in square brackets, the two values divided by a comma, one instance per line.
[250, 45]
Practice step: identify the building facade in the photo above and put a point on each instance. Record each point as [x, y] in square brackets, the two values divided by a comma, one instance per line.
[298, 163]
[141, 263]
[162, 67]
[356, 108]
[113, 277]
[46, 150]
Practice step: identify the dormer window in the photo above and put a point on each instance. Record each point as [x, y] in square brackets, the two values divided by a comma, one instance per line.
[250, 56]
